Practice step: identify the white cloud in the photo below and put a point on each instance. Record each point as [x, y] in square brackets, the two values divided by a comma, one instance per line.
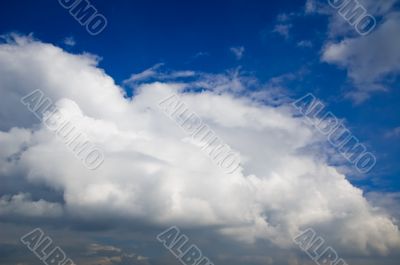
[95, 248]
[155, 74]
[148, 73]
[110, 255]
[238, 52]
[201, 54]
[370, 61]
[386, 202]
[69, 41]
[22, 205]
[282, 29]
[284, 24]
[283, 17]
[310, 6]
[393, 133]
[152, 173]
[305, 44]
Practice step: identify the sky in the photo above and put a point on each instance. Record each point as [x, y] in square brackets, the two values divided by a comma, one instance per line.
[242, 70]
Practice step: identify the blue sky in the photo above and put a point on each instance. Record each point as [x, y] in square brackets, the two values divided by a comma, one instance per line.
[288, 47]
[198, 36]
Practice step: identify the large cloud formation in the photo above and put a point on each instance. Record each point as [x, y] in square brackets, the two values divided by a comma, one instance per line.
[153, 172]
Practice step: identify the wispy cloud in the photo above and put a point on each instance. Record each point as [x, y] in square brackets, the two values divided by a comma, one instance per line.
[238, 52]
[155, 73]
[305, 44]
[69, 41]
[393, 133]
[282, 29]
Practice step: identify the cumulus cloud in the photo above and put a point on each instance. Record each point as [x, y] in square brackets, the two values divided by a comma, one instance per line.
[386, 202]
[152, 172]
[372, 61]
[369, 60]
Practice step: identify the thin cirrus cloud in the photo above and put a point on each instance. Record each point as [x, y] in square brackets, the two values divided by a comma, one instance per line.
[154, 73]
[153, 173]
